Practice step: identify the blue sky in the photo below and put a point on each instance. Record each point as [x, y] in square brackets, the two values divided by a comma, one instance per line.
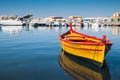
[64, 8]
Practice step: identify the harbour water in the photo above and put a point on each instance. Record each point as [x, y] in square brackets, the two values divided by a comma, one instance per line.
[34, 53]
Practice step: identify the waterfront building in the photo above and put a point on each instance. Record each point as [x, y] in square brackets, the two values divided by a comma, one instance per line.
[96, 21]
[115, 19]
[117, 14]
[6, 17]
[76, 20]
[49, 19]
[1, 17]
[55, 21]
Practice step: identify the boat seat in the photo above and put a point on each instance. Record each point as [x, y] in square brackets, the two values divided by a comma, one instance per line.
[79, 38]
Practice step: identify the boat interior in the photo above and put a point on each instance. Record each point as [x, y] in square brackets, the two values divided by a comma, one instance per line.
[74, 37]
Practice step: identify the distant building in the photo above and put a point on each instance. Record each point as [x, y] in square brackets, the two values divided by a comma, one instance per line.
[0, 17]
[6, 17]
[54, 17]
[57, 17]
[51, 17]
[115, 17]
[117, 14]
[13, 17]
[75, 19]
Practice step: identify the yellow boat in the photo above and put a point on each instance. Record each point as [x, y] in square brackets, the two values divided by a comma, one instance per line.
[83, 70]
[76, 43]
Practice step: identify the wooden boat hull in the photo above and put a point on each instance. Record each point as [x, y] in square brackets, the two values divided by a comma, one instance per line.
[89, 47]
[94, 53]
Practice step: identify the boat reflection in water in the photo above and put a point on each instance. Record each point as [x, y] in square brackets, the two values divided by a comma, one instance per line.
[82, 70]
[11, 29]
[0, 29]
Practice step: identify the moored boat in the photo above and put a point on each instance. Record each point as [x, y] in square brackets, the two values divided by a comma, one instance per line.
[91, 48]
[11, 23]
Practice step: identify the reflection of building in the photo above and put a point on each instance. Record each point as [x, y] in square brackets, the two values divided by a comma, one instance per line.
[82, 70]
[116, 30]
[0, 29]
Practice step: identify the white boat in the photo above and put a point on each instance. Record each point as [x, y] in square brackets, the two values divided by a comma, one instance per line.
[34, 23]
[11, 22]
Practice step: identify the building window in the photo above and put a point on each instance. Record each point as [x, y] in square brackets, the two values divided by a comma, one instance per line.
[119, 20]
[112, 20]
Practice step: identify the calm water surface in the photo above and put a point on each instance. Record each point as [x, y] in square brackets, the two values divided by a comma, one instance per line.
[28, 53]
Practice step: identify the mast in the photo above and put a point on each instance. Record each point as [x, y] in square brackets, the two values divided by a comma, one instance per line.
[71, 26]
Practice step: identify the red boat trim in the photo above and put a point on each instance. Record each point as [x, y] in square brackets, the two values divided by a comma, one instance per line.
[83, 43]
[71, 30]
[87, 35]
[81, 48]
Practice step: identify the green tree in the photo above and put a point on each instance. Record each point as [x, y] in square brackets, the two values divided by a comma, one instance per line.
[27, 16]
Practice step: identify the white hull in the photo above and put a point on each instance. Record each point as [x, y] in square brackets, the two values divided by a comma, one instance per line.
[11, 23]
